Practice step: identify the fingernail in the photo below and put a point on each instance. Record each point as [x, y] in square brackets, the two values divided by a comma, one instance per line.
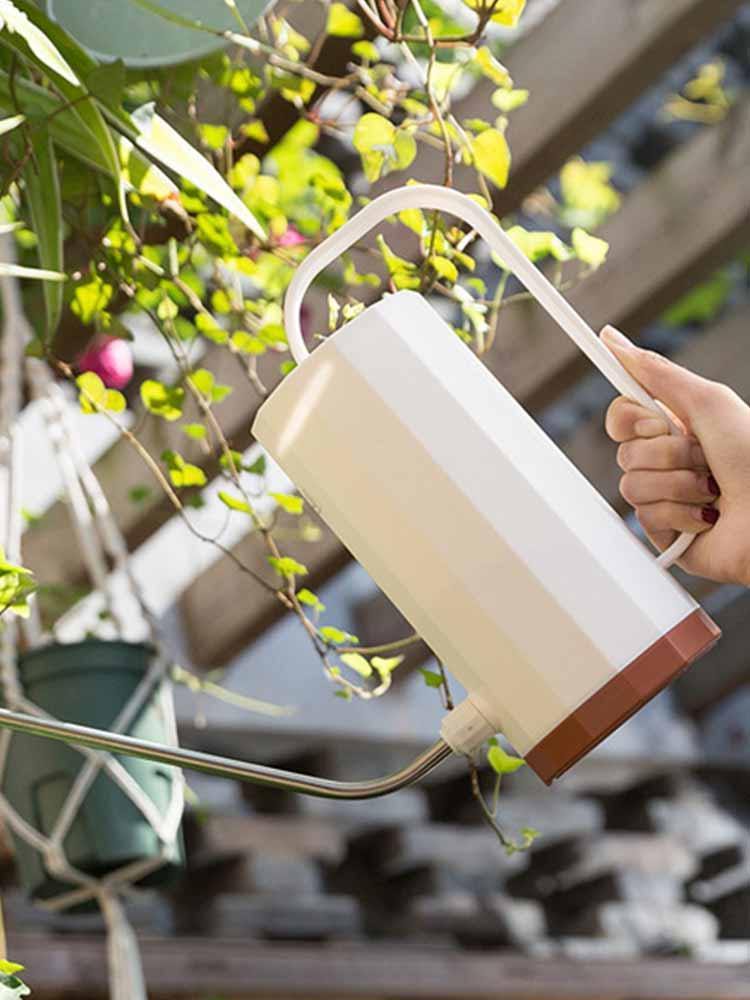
[697, 456]
[651, 427]
[613, 336]
[710, 515]
[713, 487]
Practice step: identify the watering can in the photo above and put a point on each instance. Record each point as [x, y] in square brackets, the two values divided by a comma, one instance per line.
[121, 29]
[557, 620]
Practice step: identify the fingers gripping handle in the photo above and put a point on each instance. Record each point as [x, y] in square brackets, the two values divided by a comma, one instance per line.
[429, 196]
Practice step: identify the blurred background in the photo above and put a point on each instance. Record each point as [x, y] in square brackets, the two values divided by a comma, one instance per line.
[639, 884]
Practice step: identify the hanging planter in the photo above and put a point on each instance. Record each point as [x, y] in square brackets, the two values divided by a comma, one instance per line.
[92, 682]
[121, 29]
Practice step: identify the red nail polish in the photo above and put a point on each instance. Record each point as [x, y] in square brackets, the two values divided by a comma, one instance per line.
[714, 487]
[710, 515]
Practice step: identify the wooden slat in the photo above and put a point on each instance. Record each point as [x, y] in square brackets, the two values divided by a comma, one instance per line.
[726, 668]
[189, 967]
[582, 72]
[679, 226]
[682, 223]
[606, 62]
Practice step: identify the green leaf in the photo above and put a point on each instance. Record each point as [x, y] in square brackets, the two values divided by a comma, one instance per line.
[366, 51]
[508, 100]
[8, 124]
[291, 504]
[501, 762]
[343, 23]
[214, 234]
[183, 473]
[589, 249]
[431, 678]
[491, 155]
[196, 432]
[312, 600]
[286, 566]
[158, 139]
[506, 12]
[15, 24]
[258, 468]
[386, 665]
[203, 380]
[85, 109]
[139, 494]
[536, 245]
[42, 189]
[107, 83]
[214, 136]
[90, 299]
[9, 968]
[382, 146]
[161, 400]
[703, 304]
[405, 274]
[444, 268]
[337, 635]
[234, 503]
[357, 663]
[210, 329]
[492, 68]
[247, 343]
[95, 396]
[589, 197]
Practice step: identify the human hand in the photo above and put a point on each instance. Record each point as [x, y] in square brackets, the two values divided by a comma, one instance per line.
[699, 482]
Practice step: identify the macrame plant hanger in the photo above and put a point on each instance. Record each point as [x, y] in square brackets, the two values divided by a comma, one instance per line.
[99, 539]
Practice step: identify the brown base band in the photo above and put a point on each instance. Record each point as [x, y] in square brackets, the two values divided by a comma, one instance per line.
[622, 696]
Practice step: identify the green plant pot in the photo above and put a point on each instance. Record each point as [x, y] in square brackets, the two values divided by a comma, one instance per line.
[87, 682]
[121, 29]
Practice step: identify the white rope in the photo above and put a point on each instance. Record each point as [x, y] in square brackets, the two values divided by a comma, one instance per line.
[98, 537]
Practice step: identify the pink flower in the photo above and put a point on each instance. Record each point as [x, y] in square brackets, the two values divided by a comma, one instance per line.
[292, 237]
[110, 358]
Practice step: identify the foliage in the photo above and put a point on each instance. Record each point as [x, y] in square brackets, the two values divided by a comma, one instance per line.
[10, 985]
[175, 197]
[704, 99]
[16, 587]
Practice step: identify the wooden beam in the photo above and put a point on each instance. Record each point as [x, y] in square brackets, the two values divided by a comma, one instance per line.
[726, 668]
[678, 226]
[582, 71]
[71, 966]
[624, 50]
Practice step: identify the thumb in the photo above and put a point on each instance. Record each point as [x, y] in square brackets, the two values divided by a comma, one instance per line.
[679, 389]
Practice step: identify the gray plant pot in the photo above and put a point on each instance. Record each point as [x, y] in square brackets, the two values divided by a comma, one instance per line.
[87, 682]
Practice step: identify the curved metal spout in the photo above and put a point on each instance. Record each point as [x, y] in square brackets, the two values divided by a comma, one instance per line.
[226, 767]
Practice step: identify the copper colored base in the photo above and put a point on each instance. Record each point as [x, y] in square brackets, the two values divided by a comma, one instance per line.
[622, 696]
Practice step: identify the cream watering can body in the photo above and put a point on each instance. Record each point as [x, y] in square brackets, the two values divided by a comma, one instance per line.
[556, 619]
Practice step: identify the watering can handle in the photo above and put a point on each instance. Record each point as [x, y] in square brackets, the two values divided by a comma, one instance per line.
[431, 196]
